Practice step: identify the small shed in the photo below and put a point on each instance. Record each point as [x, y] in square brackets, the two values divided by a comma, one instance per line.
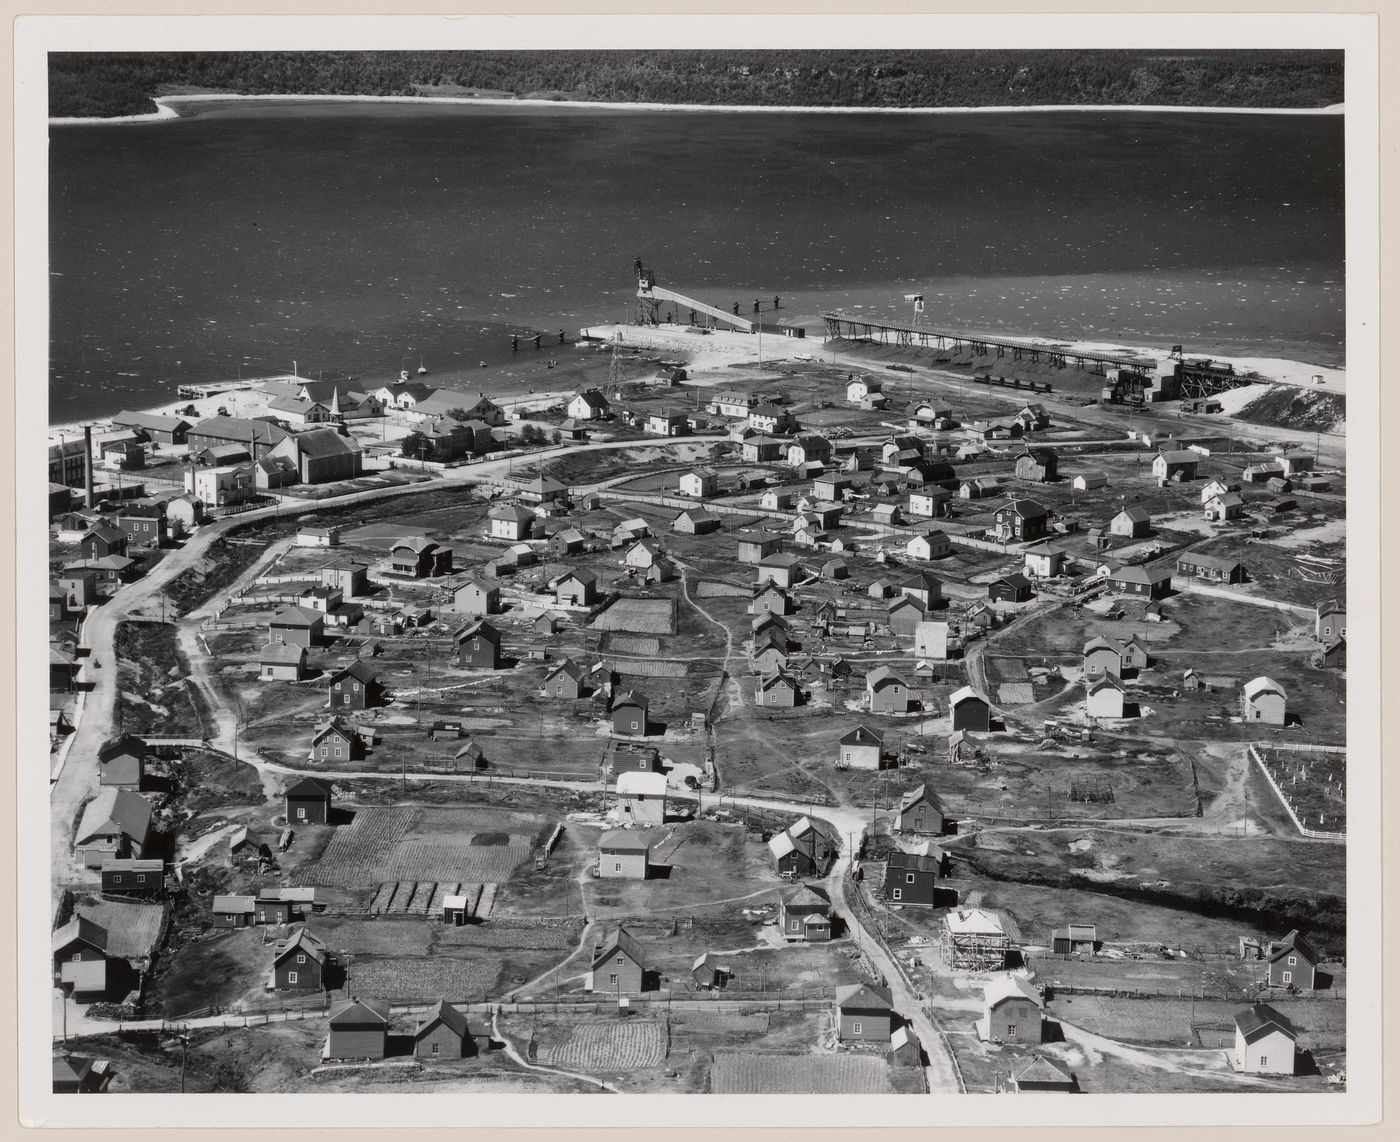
[1074, 939]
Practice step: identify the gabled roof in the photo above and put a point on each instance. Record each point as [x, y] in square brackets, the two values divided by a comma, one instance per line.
[962, 695]
[592, 397]
[567, 666]
[631, 698]
[1260, 1020]
[920, 793]
[1105, 681]
[127, 743]
[1180, 456]
[513, 512]
[806, 895]
[358, 1011]
[1026, 509]
[1101, 643]
[356, 670]
[233, 905]
[304, 941]
[309, 787]
[1135, 513]
[619, 939]
[864, 997]
[80, 928]
[479, 629]
[1136, 573]
[1042, 1070]
[863, 735]
[333, 726]
[882, 674]
[115, 810]
[1262, 685]
[1009, 987]
[444, 1013]
[1293, 942]
[929, 861]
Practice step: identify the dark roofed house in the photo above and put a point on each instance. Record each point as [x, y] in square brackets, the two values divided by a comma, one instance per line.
[1013, 588]
[1212, 568]
[80, 1074]
[297, 626]
[354, 688]
[359, 1029]
[1038, 464]
[804, 914]
[1021, 521]
[629, 713]
[478, 646]
[299, 963]
[865, 1013]
[322, 455]
[257, 436]
[278, 662]
[618, 966]
[115, 823]
[443, 1032]
[129, 877]
[911, 878]
[1041, 1075]
[1292, 962]
[309, 801]
[921, 811]
[1152, 583]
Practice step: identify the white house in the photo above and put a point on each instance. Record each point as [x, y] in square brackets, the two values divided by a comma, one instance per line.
[641, 797]
[1044, 560]
[1088, 481]
[861, 388]
[589, 404]
[699, 482]
[930, 545]
[510, 521]
[1265, 1042]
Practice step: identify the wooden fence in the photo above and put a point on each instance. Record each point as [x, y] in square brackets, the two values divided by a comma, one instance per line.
[1313, 834]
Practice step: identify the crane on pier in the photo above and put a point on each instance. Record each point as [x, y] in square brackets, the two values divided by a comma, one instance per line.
[650, 296]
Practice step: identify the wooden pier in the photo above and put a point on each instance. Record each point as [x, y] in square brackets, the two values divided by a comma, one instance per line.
[839, 325]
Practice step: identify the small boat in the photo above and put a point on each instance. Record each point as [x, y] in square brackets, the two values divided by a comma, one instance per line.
[422, 368]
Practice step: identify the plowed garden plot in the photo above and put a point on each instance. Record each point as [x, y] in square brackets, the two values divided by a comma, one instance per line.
[385, 844]
[737, 1072]
[485, 936]
[640, 616]
[421, 978]
[608, 1047]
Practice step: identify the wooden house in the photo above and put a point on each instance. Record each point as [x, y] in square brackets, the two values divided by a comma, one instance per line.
[308, 802]
[1131, 522]
[477, 596]
[777, 689]
[886, 692]
[358, 1029]
[1040, 465]
[128, 877]
[1265, 1042]
[1330, 620]
[1011, 1011]
[629, 713]
[81, 958]
[575, 589]
[335, 740]
[1139, 580]
[1104, 696]
[803, 850]
[354, 688]
[711, 972]
[121, 763]
[861, 748]
[281, 662]
[1041, 1076]
[115, 823]
[443, 1032]
[864, 1013]
[299, 963]
[1013, 588]
[418, 557]
[80, 1074]
[641, 797]
[931, 545]
[1021, 521]
[970, 711]
[696, 521]
[911, 878]
[1263, 700]
[921, 811]
[297, 626]
[625, 854]
[804, 914]
[753, 546]
[478, 646]
[1175, 465]
[1102, 655]
[1211, 568]
[565, 680]
[618, 966]
[1292, 962]
[771, 599]
[510, 522]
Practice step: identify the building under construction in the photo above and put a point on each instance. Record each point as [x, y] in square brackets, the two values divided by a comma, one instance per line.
[974, 940]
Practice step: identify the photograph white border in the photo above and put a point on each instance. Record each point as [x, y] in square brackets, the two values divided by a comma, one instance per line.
[1355, 34]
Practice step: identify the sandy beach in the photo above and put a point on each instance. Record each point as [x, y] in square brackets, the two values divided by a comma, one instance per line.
[170, 107]
[711, 359]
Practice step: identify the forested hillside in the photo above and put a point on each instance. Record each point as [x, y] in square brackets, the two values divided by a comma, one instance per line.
[105, 84]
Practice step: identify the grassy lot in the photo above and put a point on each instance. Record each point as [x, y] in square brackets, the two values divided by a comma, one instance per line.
[226, 558]
[1269, 882]
[206, 781]
[218, 970]
[153, 674]
[707, 862]
[742, 1073]
[1321, 1023]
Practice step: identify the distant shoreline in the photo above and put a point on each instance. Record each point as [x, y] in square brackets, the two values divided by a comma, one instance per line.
[169, 107]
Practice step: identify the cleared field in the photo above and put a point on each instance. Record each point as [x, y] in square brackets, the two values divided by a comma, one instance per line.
[631, 644]
[721, 1023]
[1321, 1023]
[486, 936]
[640, 616]
[609, 1046]
[744, 1072]
[406, 844]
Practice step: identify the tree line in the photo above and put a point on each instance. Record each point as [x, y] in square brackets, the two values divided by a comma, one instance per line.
[123, 83]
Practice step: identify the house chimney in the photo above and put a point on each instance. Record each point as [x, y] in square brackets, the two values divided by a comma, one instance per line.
[87, 466]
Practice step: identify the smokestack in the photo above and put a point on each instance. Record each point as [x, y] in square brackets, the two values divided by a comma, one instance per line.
[87, 466]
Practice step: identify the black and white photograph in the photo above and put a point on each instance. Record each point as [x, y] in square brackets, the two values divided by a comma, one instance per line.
[803, 563]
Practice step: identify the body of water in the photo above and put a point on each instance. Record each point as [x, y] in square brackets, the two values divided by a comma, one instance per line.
[358, 239]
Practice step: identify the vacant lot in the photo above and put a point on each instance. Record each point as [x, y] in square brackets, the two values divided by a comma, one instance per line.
[154, 676]
[737, 1072]
[216, 971]
[1321, 1023]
